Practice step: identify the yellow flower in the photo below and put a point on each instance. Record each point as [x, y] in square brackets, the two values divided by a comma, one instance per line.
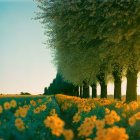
[1, 109]
[109, 120]
[76, 118]
[86, 128]
[55, 124]
[118, 105]
[137, 116]
[114, 133]
[43, 107]
[85, 132]
[100, 124]
[58, 123]
[52, 112]
[107, 111]
[112, 117]
[124, 115]
[87, 108]
[23, 113]
[18, 121]
[57, 132]
[132, 121]
[37, 110]
[32, 102]
[20, 127]
[68, 134]
[134, 105]
[126, 108]
[13, 103]
[19, 124]
[7, 106]
[39, 100]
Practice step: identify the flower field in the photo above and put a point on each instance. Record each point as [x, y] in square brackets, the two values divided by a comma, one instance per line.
[67, 117]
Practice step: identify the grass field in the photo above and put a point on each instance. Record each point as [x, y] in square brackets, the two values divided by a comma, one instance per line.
[67, 117]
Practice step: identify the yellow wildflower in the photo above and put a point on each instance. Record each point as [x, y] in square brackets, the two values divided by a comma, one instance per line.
[43, 107]
[37, 110]
[124, 115]
[55, 124]
[137, 116]
[19, 124]
[76, 118]
[52, 112]
[1, 109]
[112, 134]
[85, 132]
[134, 105]
[68, 134]
[112, 117]
[32, 102]
[100, 124]
[107, 111]
[13, 103]
[7, 106]
[39, 100]
[132, 121]
[126, 108]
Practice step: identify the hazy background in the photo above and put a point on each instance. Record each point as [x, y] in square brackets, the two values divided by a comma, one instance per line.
[25, 63]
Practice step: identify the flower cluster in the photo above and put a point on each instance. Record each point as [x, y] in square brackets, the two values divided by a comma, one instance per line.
[112, 134]
[19, 124]
[112, 117]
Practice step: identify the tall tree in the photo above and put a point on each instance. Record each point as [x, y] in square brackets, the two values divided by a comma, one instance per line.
[86, 37]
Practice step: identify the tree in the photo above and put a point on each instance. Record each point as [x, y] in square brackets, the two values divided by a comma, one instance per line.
[87, 38]
[25, 93]
[122, 30]
[45, 91]
[59, 86]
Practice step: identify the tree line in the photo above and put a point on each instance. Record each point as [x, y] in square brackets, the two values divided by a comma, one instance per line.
[92, 39]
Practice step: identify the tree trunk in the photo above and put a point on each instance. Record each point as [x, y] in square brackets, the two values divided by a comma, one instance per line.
[94, 91]
[85, 90]
[81, 91]
[101, 78]
[131, 91]
[117, 85]
[76, 91]
[103, 90]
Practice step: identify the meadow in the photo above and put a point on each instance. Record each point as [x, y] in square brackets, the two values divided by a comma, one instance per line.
[68, 117]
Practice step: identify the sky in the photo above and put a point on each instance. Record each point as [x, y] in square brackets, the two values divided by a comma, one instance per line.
[25, 62]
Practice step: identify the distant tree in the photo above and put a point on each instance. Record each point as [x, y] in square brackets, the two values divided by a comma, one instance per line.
[25, 93]
[60, 86]
[45, 91]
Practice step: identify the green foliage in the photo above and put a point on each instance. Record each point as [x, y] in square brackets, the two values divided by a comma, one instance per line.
[25, 93]
[45, 91]
[93, 36]
[59, 85]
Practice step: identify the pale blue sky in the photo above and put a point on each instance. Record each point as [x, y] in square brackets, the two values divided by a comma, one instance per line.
[25, 63]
